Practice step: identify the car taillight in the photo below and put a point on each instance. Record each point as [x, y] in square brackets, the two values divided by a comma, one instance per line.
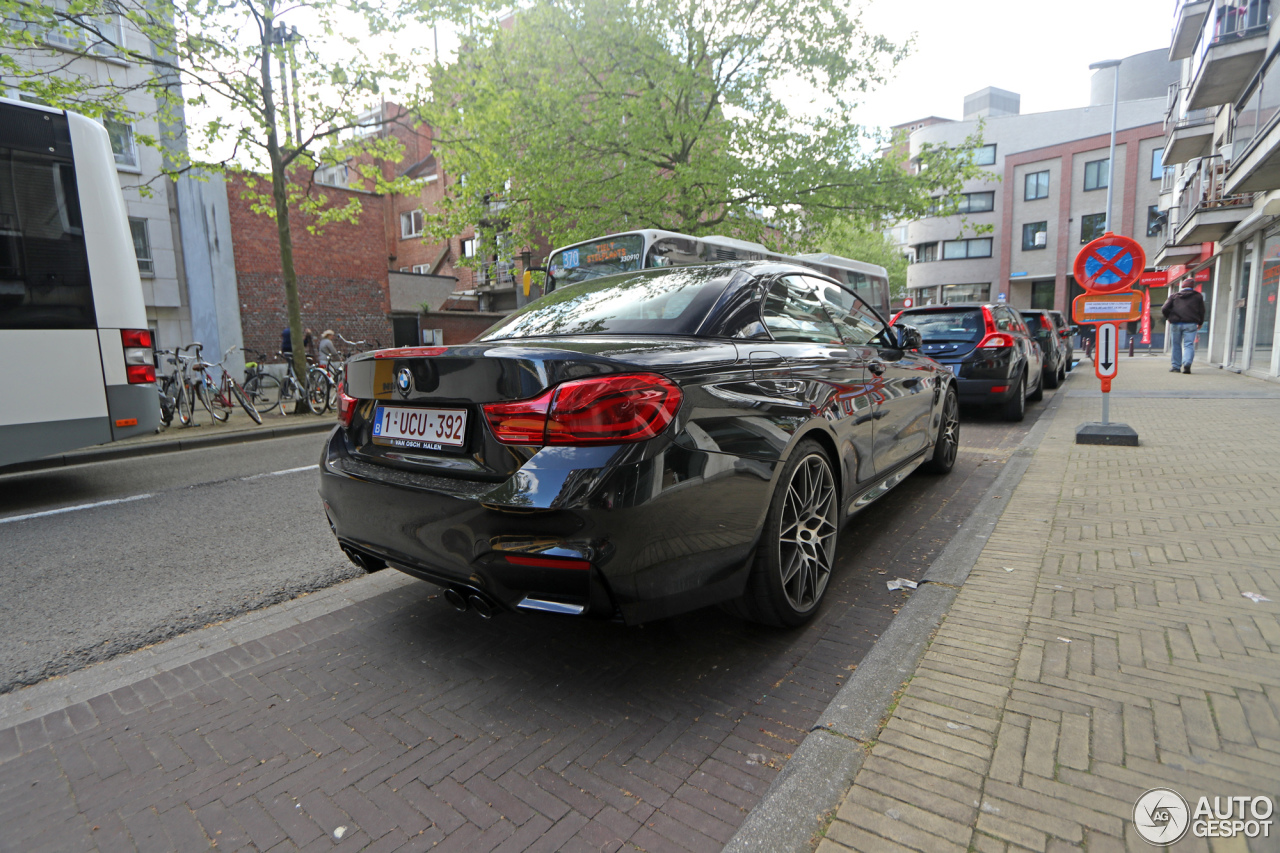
[1045, 324]
[139, 362]
[599, 410]
[521, 422]
[996, 341]
[346, 404]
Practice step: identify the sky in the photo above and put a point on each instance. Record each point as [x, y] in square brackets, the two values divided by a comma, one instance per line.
[1037, 48]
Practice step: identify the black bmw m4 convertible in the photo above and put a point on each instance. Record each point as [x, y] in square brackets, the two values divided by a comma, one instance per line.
[639, 445]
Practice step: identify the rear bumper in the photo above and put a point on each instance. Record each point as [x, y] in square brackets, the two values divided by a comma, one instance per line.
[657, 537]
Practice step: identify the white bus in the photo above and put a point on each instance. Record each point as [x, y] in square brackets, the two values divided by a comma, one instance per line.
[77, 356]
[646, 248]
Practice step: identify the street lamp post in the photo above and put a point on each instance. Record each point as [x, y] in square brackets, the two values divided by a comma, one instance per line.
[1111, 153]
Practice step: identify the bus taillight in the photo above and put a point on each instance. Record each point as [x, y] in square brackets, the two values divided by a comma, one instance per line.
[139, 363]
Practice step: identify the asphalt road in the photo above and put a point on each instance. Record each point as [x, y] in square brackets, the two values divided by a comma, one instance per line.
[113, 556]
[165, 544]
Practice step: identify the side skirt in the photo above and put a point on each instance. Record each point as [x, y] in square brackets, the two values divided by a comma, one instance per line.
[882, 484]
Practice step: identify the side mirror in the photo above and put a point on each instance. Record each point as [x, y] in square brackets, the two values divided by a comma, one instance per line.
[906, 337]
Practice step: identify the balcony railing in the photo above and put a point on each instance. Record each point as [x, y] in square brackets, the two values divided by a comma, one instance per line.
[1169, 179]
[1178, 117]
[1230, 20]
[1255, 115]
[1202, 191]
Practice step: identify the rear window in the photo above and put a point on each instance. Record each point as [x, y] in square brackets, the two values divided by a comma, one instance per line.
[966, 325]
[671, 301]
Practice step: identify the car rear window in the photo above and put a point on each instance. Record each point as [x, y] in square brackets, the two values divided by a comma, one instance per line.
[672, 301]
[962, 325]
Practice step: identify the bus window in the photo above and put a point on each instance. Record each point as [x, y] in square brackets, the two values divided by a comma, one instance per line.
[674, 252]
[585, 261]
[44, 268]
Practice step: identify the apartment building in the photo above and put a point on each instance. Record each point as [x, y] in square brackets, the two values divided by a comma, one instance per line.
[1013, 234]
[1222, 192]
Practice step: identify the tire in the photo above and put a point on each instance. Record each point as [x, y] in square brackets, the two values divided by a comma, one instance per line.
[947, 445]
[317, 391]
[263, 391]
[219, 407]
[798, 544]
[1038, 394]
[244, 402]
[1054, 379]
[1015, 409]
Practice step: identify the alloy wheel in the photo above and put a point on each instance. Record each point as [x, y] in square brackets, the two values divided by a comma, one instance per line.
[806, 545]
[949, 430]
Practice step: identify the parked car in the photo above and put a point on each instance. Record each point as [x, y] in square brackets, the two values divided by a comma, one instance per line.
[1066, 332]
[1052, 345]
[988, 348]
[638, 445]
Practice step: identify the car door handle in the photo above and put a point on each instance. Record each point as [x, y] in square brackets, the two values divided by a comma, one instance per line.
[789, 386]
[876, 367]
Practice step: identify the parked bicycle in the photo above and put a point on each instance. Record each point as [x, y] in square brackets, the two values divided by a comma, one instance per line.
[336, 369]
[177, 393]
[220, 396]
[262, 388]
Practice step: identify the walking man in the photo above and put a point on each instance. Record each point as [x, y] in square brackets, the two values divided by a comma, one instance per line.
[1184, 312]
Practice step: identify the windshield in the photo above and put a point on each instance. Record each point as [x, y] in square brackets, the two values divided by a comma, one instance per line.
[655, 302]
[947, 325]
[597, 258]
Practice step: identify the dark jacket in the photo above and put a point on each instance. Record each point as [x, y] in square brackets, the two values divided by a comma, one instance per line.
[1185, 306]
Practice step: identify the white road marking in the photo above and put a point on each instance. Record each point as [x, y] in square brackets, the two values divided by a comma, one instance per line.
[278, 473]
[74, 508]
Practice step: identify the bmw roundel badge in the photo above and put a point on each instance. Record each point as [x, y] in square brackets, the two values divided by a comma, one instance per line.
[404, 381]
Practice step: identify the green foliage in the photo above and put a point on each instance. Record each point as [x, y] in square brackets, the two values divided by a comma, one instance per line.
[604, 115]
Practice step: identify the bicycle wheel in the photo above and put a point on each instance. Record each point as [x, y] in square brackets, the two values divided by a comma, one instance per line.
[212, 400]
[244, 402]
[331, 403]
[182, 406]
[317, 391]
[166, 402]
[263, 391]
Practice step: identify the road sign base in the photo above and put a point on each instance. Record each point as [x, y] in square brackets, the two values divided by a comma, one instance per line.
[1121, 435]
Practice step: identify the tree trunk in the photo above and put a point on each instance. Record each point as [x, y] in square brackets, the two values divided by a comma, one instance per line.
[279, 194]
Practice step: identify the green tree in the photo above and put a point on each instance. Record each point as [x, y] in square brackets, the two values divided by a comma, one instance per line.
[581, 117]
[847, 238]
[223, 63]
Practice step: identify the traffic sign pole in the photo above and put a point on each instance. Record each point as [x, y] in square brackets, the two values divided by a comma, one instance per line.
[1106, 268]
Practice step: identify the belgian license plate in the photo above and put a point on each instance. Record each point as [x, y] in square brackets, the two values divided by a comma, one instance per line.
[421, 429]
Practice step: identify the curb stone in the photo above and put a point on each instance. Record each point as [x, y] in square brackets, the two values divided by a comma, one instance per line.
[821, 771]
[109, 452]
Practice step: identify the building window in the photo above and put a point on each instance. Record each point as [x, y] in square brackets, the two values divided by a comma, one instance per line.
[411, 224]
[1092, 226]
[422, 269]
[1042, 294]
[469, 247]
[122, 145]
[926, 252]
[1157, 164]
[142, 245]
[977, 202]
[1155, 221]
[985, 156]
[954, 250]
[1097, 174]
[1036, 185]
[332, 176]
[1035, 235]
[965, 292]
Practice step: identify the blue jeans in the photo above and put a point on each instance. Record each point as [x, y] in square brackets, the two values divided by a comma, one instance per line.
[1182, 343]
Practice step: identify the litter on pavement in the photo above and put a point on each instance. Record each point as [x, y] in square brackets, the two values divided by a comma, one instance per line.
[902, 583]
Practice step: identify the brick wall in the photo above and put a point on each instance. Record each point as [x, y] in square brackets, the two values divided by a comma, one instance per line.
[460, 327]
[342, 271]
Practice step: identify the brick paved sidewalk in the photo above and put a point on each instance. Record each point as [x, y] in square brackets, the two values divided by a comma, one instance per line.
[1102, 644]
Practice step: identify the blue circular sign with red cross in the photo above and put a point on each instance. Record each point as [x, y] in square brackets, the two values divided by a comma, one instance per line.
[1110, 264]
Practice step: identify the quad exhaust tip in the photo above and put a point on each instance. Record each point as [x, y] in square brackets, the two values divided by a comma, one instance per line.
[456, 599]
[480, 606]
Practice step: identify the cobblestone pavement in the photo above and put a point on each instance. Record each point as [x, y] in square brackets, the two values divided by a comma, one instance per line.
[1103, 644]
[389, 721]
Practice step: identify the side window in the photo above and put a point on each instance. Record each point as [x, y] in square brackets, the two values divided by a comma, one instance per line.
[857, 323]
[1005, 321]
[792, 312]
